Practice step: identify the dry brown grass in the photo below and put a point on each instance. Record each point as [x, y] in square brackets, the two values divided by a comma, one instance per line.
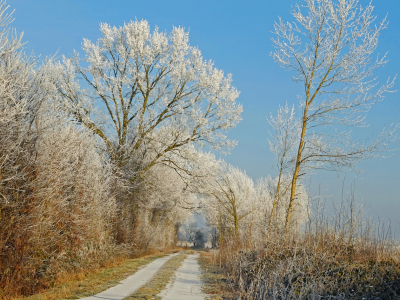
[152, 289]
[87, 283]
[328, 260]
[216, 283]
[301, 270]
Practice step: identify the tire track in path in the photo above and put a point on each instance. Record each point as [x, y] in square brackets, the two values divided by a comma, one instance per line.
[129, 285]
[187, 284]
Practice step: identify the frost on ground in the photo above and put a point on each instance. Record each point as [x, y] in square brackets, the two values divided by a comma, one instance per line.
[187, 284]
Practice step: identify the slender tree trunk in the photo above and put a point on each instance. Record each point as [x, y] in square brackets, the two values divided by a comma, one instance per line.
[275, 200]
[221, 237]
[236, 223]
[235, 216]
[296, 170]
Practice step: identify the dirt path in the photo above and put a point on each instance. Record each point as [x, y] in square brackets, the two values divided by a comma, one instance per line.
[129, 285]
[187, 284]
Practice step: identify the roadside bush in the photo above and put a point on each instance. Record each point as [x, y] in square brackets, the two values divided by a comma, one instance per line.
[326, 261]
[57, 208]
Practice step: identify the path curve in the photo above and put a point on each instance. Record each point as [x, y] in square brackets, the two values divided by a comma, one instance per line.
[129, 285]
[187, 284]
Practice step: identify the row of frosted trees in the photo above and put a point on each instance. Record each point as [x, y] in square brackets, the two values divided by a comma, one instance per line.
[56, 190]
[101, 155]
[105, 160]
[96, 162]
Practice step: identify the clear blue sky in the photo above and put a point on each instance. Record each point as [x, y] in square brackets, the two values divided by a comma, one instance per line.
[236, 36]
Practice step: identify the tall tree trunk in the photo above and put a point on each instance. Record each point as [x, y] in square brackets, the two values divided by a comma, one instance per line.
[296, 170]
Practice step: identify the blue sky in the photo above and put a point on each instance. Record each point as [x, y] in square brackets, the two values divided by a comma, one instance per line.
[236, 36]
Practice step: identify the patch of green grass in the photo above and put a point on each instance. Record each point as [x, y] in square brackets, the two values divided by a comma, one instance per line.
[215, 282]
[159, 280]
[85, 285]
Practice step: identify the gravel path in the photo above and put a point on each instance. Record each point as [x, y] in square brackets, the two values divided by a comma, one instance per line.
[187, 284]
[129, 285]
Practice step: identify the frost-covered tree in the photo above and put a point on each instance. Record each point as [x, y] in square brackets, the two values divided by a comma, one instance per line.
[57, 206]
[23, 88]
[329, 46]
[284, 137]
[232, 196]
[154, 91]
[21, 92]
[56, 197]
[154, 210]
[74, 199]
[269, 214]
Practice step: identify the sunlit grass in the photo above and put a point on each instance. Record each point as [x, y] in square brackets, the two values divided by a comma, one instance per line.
[82, 285]
[165, 274]
[215, 282]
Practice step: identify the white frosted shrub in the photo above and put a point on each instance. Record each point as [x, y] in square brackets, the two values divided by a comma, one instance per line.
[266, 190]
[162, 202]
[55, 190]
[73, 185]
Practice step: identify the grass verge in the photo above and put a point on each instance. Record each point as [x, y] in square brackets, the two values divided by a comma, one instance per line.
[85, 285]
[312, 267]
[160, 279]
[215, 283]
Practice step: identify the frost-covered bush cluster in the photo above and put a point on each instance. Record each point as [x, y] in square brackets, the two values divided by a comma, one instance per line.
[236, 206]
[55, 187]
[339, 256]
